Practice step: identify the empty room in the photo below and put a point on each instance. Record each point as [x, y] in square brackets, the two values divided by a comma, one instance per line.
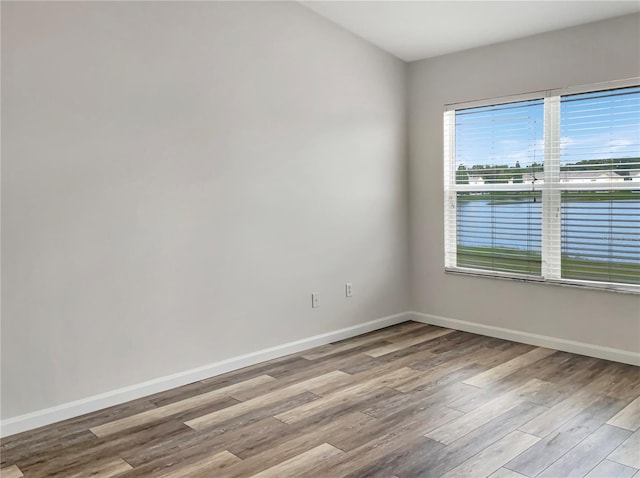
[327, 239]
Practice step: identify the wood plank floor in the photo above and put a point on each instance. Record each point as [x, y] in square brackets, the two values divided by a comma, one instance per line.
[410, 400]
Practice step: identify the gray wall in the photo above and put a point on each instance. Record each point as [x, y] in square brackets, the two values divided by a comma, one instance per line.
[177, 178]
[591, 53]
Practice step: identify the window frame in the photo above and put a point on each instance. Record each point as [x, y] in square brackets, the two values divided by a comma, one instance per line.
[551, 196]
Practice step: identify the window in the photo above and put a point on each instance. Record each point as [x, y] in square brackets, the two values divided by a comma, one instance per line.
[546, 188]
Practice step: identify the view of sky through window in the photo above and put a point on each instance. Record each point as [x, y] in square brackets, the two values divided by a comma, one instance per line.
[600, 126]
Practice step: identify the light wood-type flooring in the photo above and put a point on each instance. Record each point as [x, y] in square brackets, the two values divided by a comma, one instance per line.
[411, 400]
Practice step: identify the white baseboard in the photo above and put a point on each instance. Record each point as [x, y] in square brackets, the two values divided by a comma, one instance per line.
[565, 345]
[76, 408]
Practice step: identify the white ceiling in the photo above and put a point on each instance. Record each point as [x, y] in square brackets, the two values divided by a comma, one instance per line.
[412, 30]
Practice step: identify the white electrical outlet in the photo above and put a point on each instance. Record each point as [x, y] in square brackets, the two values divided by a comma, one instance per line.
[315, 300]
[348, 289]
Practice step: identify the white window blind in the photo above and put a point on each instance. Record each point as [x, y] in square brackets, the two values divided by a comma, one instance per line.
[494, 213]
[600, 185]
[547, 188]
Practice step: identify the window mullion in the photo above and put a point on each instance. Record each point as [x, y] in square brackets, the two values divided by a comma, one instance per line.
[551, 193]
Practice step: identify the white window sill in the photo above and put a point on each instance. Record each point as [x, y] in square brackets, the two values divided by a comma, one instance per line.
[609, 287]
